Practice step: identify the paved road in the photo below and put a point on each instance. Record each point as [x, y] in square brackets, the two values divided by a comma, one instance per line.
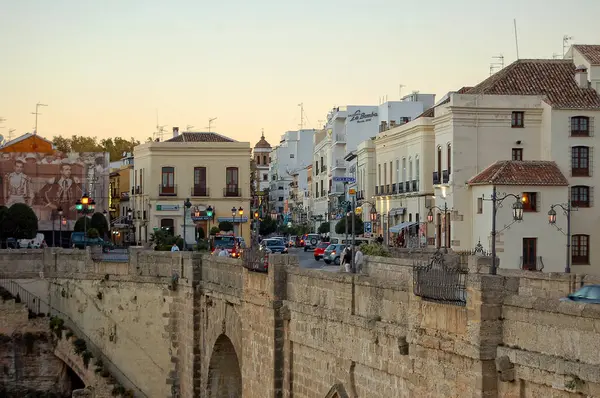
[307, 260]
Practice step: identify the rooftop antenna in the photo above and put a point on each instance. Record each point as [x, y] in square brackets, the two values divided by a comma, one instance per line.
[516, 38]
[301, 105]
[210, 122]
[160, 130]
[566, 40]
[497, 65]
[36, 113]
[188, 127]
[400, 86]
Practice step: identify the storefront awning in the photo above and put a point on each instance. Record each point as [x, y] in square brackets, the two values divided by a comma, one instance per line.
[403, 225]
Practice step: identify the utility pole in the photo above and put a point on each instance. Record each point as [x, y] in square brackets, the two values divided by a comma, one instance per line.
[36, 113]
[210, 122]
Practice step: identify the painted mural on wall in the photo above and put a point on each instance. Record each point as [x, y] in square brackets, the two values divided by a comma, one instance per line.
[47, 182]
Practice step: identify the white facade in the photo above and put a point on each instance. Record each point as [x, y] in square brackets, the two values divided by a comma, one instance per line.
[576, 53]
[404, 156]
[293, 153]
[512, 248]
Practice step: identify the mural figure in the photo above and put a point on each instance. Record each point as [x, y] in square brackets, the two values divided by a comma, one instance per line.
[62, 191]
[17, 188]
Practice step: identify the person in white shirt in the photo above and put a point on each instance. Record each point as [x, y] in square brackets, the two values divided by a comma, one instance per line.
[174, 248]
[223, 253]
[358, 260]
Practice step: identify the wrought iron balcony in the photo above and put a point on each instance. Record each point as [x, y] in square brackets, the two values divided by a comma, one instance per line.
[436, 178]
[532, 264]
[232, 191]
[199, 191]
[166, 190]
[445, 176]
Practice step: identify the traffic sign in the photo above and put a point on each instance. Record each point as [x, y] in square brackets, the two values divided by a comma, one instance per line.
[368, 228]
[344, 179]
[352, 191]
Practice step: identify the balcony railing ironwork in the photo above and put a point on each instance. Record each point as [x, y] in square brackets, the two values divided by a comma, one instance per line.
[440, 282]
[532, 264]
[436, 178]
[167, 190]
[199, 191]
[232, 192]
[445, 176]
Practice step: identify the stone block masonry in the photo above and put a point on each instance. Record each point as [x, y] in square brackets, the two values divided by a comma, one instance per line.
[188, 325]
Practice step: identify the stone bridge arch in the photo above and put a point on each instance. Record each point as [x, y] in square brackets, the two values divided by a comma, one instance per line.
[224, 370]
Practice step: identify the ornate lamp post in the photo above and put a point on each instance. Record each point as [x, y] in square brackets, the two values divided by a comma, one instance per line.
[241, 214]
[59, 211]
[209, 214]
[567, 209]
[517, 209]
[186, 205]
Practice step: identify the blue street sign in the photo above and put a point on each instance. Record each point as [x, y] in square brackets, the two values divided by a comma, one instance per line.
[344, 179]
[368, 227]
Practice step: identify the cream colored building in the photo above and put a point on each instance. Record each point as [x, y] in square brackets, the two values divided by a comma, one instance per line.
[532, 244]
[530, 110]
[404, 156]
[208, 168]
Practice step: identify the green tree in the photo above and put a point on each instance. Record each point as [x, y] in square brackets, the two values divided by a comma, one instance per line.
[93, 233]
[214, 230]
[22, 221]
[82, 224]
[100, 223]
[267, 226]
[340, 227]
[116, 146]
[225, 226]
[324, 228]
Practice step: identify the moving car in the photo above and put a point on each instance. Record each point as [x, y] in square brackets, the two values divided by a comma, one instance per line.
[311, 241]
[320, 249]
[332, 254]
[587, 294]
[273, 246]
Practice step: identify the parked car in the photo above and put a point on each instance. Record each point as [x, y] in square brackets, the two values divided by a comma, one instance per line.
[273, 246]
[332, 254]
[320, 249]
[80, 241]
[283, 240]
[587, 294]
[311, 241]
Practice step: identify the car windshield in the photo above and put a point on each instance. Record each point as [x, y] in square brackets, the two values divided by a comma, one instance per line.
[330, 248]
[272, 242]
[588, 292]
[323, 245]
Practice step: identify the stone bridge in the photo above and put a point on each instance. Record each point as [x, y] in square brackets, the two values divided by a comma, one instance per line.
[188, 325]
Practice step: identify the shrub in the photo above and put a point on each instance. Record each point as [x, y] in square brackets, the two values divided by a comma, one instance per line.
[118, 390]
[374, 249]
[202, 245]
[57, 325]
[214, 230]
[324, 228]
[93, 233]
[79, 346]
[69, 334]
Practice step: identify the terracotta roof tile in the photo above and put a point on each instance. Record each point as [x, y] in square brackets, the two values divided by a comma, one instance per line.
[589, 52]
[552, 78]
[521, 172]
[200, 137]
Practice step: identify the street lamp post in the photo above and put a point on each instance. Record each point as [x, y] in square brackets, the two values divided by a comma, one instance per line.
[233, 214]
[130, 222]
[85, 206]
[241, 214]
[186, 205]
[446, 212]
[567, 209]
[59, 211]
[517, 209]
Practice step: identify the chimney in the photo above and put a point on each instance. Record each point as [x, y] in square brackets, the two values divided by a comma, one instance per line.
[175, 131]
[581, 76]
[383, 126]
[392, 124]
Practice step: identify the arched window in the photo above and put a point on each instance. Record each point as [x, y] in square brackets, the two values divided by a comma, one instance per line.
[449, 158]
[439, 165]
[580, 196]
[580, 126]
[580, 249]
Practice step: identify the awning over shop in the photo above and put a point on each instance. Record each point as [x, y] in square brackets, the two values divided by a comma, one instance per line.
[403, 225]
[397, 211]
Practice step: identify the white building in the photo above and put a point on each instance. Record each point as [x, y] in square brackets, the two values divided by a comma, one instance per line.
[345, 129]
[540, 184]
[530, 110]
[293, 153]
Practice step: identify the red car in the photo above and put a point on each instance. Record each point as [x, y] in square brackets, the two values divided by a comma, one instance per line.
[320, 249]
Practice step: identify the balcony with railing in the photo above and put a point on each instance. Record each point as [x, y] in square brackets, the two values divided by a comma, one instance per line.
[339, 164]
[199, 191]
[532, 263]
[436, 178]
[232, 191]
[445, 176]
[165, 190]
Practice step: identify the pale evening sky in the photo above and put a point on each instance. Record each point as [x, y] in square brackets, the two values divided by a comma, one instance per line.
[105, 67]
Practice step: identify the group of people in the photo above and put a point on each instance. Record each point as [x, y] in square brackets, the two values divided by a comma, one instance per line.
[347, 259]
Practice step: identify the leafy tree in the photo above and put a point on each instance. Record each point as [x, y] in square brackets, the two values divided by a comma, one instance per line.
[114, 146]
[214, 230]
[163, 240]
[22, 222]
[100, 223]
[225, 226]
[324, 228]
[340, 227]
[82, 224]
[93, 233]
[267, 226]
